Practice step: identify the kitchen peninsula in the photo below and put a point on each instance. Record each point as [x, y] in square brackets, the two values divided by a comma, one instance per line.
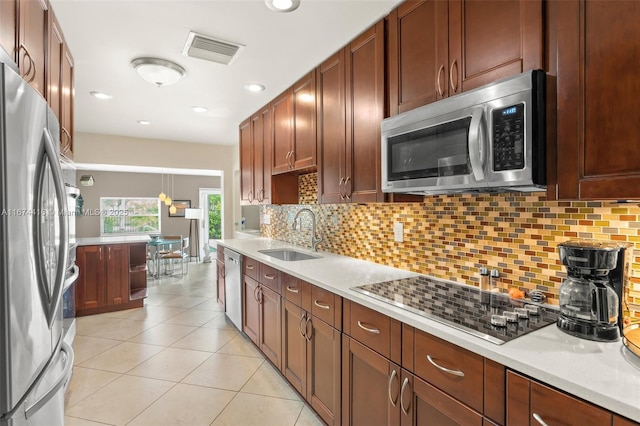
[599, 373]
[113, 274]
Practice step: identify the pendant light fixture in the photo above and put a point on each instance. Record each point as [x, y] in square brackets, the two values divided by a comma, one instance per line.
[173, 208]
[168, 200]
[162, 196]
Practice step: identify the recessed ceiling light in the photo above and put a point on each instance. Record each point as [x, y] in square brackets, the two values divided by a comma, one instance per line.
[254, 87]
[282, 5]
[101, 95]
[144, 122]
[199, 109]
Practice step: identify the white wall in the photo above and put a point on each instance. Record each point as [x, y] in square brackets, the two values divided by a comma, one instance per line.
[122, 150]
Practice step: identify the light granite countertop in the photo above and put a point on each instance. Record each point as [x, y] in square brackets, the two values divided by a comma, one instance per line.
[117, 239]
[605, 374]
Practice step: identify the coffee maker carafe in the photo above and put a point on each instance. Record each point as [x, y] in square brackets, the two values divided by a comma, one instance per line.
[589, 305]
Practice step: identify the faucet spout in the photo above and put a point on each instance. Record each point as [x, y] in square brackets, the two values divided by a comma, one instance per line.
[315, 240]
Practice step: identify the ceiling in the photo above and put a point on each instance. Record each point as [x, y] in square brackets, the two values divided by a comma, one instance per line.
[105, 36]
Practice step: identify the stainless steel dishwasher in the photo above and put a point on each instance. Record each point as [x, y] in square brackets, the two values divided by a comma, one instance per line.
[233, 286]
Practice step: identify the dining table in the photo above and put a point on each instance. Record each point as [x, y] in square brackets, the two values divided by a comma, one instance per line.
[160, 244]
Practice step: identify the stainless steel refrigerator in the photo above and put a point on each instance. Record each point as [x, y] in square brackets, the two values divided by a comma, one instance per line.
[35, 363]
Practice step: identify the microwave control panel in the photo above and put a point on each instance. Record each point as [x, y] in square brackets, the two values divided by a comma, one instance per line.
[508, 138]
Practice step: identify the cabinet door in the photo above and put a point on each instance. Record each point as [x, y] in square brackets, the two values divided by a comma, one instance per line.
[304, 122]
[66, 99]
[370, 390]
[598, 149]
[220, 284]
[365, 111]
[90, 287]
[331, 129]
[32, 43]
[323, 370]
[117, 273]
[261, 128]
[422, 404]
[493, 39]
[282, 123]
[246, 163]
[250, 309]
[8, 27]
[529, 402]
[294, 346]
[270, 326]
[56, 52]
[418, 54]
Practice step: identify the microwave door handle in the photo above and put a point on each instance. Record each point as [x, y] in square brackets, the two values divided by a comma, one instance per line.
[476, 143]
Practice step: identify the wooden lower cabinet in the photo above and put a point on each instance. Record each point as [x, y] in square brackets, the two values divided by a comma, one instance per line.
[103, 284]
[530, 402]
[311, 360]
[220, 271]
[261, 318]
[423, 404]
[370, 386]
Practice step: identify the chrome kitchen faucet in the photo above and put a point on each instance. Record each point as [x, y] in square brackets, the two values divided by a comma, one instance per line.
[314, 239]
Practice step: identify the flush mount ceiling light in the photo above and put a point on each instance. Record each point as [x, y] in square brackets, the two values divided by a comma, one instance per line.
[282, 5]
[254, 87]
[144, 122]
[199, 109]
[101, 95]
[158, 71]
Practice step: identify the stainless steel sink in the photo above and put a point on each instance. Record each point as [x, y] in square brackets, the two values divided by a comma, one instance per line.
[288, 254]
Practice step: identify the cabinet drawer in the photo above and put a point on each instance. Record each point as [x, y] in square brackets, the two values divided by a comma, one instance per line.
[251, 267]
[220, 253]
[292, 289]
[452, 369]
[370, 328]
[326, 306]
[270, 277]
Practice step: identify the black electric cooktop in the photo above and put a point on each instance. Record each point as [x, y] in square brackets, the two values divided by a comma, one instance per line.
[464, 307]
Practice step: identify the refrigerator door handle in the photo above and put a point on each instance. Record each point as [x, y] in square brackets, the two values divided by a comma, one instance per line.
[62, 380]
[51, 305]
[72, 279]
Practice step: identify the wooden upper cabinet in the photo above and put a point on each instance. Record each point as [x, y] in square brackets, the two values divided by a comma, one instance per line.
[8, 26]
[490, 40]
[246, 163]
[439, 49]
[304, 123]
[418, 54]
[66, 103]
[598, 91]
[282, 120]
[32, 42]
[331, 128]
[56, 53]
[365, 111]
[261, 131]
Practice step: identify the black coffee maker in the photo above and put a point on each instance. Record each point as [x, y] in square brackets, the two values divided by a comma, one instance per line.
[590, 296]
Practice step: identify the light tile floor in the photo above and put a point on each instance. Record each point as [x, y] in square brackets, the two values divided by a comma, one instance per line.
[177, 361]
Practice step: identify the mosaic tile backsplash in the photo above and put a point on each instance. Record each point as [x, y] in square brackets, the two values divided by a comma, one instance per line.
[452, 236]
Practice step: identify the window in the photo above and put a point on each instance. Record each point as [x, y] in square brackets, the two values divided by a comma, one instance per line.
[128, 215]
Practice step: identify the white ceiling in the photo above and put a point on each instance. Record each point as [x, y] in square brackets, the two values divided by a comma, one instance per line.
[105, 35]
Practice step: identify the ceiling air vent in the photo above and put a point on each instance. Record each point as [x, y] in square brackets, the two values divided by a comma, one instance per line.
[211, 49]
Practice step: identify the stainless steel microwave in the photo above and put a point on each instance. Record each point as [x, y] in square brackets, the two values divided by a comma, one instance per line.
[490, 139]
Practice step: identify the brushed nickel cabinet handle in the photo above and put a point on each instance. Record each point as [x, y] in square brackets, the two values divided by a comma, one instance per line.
[250, 267]
[405, 383]
[260, 295]
[321, 305]
[250, 196]
[444, 369]
[302, 318]
[308, 335]
[538, 419]
[255, 294]
[27, 56]
[369, 329]
[292, 159]
[286, 158]
[394, 375]
[438, 85]
[340, 188]
[453, 88]
[67, 145]
[223, 272]
[270, 276]
[261, 198]
[347, 193]
[292, 289]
